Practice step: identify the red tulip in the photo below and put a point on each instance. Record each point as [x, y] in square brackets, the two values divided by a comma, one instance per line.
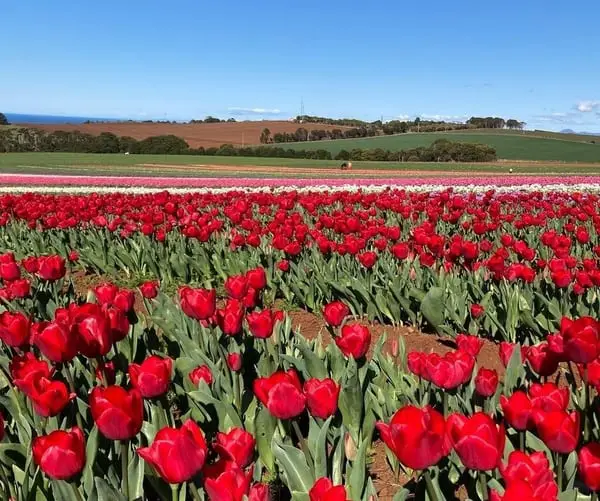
[251, 298]
[416, 362]
[232, 484]
[26, 368]
[354, 341]
[149, 290]
[118, 413]
[119, 323]
[105, 293]
[477, 310]
[73, 256]
[283, 265]
[517, 410]
[477, 440]
[281, 393]
[368, 259]
[152, 377]
[9, 269]
[519, 490]
[417, 437]
[322, 397]
[14, 329]
[177, 454]
[581, 342]
[590, 373]
[542, 360]
[201, 373]
[324, 490]
[234, 361]
[486, 382]
[237, 446]
[335, 312]
[549, 397]
[60, 454]
[589, 465]
[257, 278]
[561, 278]
[30, 264]
[450, 371]
[49, 397]
[57, 342]
[259, 492]
[230, 317]
[20, 289]
[93, 330]
[469, 344]
[533, 469]
[558, 430]
[51, 268]
[236, 286]
[124, 300]
[198, 303]
[261, 323]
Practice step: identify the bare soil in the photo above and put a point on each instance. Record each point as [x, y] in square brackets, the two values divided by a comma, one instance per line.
[196, 135]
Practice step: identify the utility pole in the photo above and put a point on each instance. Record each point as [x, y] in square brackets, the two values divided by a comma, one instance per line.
[301, 106]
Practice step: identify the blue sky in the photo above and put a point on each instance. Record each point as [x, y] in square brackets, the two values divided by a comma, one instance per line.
[534, 60]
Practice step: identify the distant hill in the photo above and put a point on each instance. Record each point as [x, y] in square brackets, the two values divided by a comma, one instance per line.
[571, 131]
[527, 145]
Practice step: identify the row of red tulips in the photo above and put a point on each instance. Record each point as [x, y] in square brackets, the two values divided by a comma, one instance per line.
[518, 262]
[214, 395]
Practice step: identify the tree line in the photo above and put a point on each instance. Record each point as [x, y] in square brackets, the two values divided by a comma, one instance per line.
[495, 123]
[34, 140]
[378, 128]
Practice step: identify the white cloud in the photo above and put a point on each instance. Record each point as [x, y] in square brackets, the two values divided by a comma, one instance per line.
[587, 106]
[254, 111]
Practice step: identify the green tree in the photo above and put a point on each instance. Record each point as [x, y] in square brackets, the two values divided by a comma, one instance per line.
[265, 136]
[3, 119]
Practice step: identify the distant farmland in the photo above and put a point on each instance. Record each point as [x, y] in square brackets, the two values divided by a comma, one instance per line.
[196, 135]
[510, 146]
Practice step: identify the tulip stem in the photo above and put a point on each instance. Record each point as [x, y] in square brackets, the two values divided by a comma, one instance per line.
[429, 487]
[301, 441]
[445, 403]
[594, 496]
[71, 381]
[174, 492]
[124, 465]
[522, 440]
[76, 493]
[483, 485]
[586, 405]
[559, 471]
[194, 491]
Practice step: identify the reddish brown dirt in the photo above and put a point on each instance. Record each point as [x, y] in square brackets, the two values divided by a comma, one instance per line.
[311, 325]
[196, 135]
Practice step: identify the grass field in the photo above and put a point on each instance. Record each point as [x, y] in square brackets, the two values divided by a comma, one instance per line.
[510, 146]
[205, 166]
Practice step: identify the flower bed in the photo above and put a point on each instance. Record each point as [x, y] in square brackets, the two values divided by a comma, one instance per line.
[203, 391]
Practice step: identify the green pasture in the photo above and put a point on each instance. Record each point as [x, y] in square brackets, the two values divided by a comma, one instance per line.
[509, 146]
[196, 166]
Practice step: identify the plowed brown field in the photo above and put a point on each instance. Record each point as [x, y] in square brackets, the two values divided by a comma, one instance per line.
[196, 135]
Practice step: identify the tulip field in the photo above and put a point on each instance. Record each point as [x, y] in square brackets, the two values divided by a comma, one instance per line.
[148, 349]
